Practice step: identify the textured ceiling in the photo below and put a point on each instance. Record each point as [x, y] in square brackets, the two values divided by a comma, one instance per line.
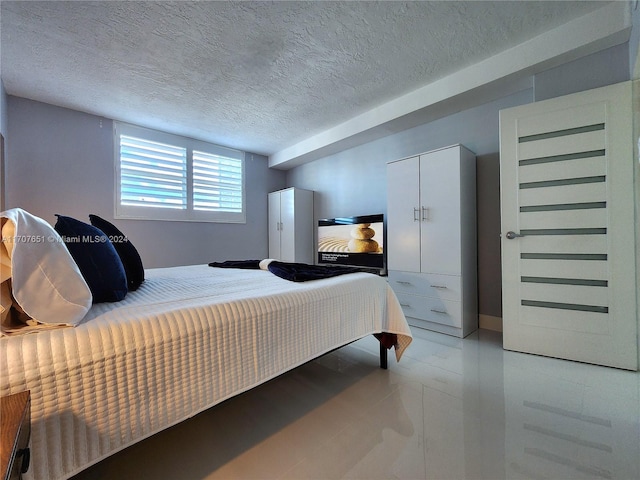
[258, 76]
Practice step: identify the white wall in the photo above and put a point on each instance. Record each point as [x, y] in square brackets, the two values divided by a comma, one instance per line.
[62, 161]
[602, 68]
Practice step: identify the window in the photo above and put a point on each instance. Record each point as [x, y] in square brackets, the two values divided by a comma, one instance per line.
[160, 176]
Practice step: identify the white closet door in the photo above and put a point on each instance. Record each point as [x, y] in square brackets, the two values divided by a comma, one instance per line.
[274, 224]
[403, 215]
[440, 211]
[568, 232]
[287, 226]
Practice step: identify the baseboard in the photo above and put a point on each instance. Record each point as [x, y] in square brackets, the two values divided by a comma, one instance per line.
[489, 322]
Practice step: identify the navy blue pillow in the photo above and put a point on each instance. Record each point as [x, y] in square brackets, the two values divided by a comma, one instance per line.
[126, 251]
[96, 258]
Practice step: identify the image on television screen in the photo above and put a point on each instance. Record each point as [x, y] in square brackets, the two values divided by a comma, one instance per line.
[356, 241]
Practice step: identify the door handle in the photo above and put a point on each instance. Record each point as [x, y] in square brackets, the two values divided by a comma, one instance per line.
[416, 214]
[425, 214]
[513, 235]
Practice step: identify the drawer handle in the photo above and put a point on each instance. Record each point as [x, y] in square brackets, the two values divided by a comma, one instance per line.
[440, 287]
[403, 282]
[405, 305]
[435, 310]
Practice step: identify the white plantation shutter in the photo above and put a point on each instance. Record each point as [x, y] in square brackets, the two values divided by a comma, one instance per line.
[217, 183]
[152, 174]
[161, 176]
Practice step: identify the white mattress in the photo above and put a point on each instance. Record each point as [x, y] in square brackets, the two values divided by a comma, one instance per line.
[187, 339]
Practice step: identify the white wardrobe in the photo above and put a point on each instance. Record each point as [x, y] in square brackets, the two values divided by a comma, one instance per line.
[431, 239]
[291, 225]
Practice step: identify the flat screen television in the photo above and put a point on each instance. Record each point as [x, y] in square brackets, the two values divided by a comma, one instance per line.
[354, 241]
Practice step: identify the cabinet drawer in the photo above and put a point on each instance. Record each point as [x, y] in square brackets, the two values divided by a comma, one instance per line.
[445, 287]
[445, 312]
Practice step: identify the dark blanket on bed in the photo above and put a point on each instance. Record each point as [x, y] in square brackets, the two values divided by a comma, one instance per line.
[248, 264]
[295, 272]
[302, 272]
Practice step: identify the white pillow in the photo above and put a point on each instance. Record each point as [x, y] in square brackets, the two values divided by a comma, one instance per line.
[45, 280]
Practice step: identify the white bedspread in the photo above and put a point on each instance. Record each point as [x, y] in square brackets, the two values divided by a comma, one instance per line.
[187, 339]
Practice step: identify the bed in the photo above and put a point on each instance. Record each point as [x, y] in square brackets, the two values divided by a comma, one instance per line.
[187, 339]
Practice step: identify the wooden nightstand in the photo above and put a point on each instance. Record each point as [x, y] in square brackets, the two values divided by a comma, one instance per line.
[15, 429]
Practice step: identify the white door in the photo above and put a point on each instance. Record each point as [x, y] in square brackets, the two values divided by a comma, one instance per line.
[274, 224]
[403, 215]
[440, 211]
[287, 225]
[568, 232]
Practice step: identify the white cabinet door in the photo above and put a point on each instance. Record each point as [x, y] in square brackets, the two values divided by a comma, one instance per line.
[274, 224]
[287, 225]
[403, 215]
[568, 230]
[440, 211]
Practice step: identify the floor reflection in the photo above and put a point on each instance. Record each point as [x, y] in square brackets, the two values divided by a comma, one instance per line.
[451, 409]
[570, 420]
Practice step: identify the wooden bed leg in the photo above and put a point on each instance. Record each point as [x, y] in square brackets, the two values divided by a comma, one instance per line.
[383, 356]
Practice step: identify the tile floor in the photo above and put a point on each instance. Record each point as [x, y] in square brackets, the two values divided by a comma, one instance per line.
[451, 409]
